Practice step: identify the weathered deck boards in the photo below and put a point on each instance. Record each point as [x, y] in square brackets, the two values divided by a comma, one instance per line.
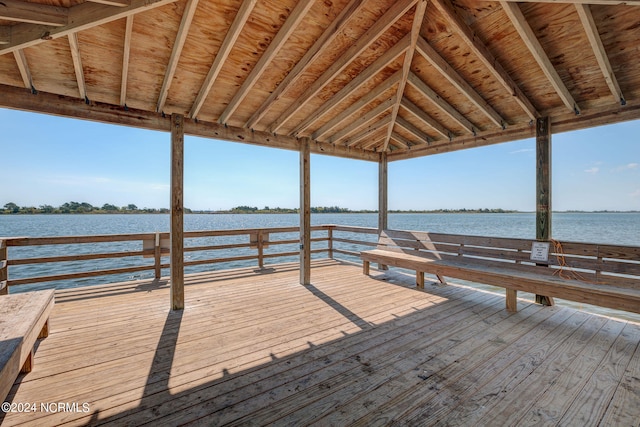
[260, 348]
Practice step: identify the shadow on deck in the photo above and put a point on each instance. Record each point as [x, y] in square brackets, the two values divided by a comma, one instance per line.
[258, 348]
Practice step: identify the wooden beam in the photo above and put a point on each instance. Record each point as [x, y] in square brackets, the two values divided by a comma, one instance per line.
[77, 64]
[318, 48]
[5, 34]
[458, 82]
[276, 44]
[395, 12]
[358, 105]
[177, 212]
[589, 24]
[362, 120]
[408, 126]
[531, 41]
[117, 3]
[81, 17]
[443, 105]
[543, 188]
[418, 17]
[223, 54]
[178, 44]
[33, 13]
[23, 66]
[305, 213]
[125, 59]
[66, 106]
[4, 275]
[424, 117]
[485, 56]
[367, 74]
[601, 2]
[368, 131]
[383, 193]
[401, 140]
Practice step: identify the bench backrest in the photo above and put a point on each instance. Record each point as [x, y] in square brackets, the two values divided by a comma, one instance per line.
[597, 263]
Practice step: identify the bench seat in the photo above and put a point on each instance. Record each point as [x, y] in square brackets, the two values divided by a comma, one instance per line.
[24, 318]
[448, 256]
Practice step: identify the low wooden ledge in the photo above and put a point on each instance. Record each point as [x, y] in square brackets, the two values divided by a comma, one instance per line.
[24, 318]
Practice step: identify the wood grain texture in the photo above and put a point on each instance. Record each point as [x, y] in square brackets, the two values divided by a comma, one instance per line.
[277, 352]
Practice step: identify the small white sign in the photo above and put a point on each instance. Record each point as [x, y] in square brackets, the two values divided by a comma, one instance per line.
[540, 251]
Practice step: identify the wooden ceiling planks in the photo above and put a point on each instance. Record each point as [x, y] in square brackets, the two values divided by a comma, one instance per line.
[340, 72]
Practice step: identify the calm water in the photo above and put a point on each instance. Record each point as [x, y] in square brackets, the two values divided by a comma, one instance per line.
[616, 228]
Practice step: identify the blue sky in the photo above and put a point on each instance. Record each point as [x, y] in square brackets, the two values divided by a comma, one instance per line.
[50, 160]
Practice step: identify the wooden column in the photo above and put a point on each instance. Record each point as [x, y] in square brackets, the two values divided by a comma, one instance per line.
[383, 197]
[305, 214]
[543, 188]
[177, 212]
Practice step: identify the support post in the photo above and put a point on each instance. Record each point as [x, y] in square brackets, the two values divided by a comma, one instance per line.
[383, 198]
[543, 188]
[305, 213]
[4, 276]
[383, 207]
[330, 241]
[177, 212]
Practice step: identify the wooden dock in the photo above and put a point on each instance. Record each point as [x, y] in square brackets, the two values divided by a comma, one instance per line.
[256, 347]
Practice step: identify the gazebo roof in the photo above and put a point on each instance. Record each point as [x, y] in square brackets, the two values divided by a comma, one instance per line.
[356, 77]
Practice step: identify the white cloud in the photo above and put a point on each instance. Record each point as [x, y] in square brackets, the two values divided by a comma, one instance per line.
[629, 166]
[594, 170]
[636, 194]
[523, 150]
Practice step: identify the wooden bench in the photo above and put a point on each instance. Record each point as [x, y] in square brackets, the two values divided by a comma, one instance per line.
[24, 318]
[603, 275]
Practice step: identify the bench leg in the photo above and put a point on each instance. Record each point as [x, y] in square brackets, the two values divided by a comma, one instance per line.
[512, 300]
[28, 364]
[45, 330]
[365, 267]
[545, 300]
[441, 279]
[420, 279]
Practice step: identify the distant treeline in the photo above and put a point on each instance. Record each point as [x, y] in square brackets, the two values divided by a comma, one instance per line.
[80, 208]
[336, 209]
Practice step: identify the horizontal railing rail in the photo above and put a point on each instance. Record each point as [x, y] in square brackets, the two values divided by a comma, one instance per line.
[206, 247]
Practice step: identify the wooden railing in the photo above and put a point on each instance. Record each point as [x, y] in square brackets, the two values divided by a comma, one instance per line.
[248, 245]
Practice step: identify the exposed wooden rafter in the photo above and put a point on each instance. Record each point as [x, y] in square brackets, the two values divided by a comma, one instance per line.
[81, 17]
[411, 128]
[232, 35]
[178, 44]
[443, 105]
[318, 48]
[367, 74]
[117, 3]
[361, 121]
[584, 12]
[5, 35]
[356, 106]
[601, 2]
[456, 80]
[487, 58]
[424, 117]
[528, 36]
[353, 140]
[289, 26]
[395, 12]
[418, 17]
[23, 66]
[33, 13]
[125, 59]
[77, 64]
[401, 140]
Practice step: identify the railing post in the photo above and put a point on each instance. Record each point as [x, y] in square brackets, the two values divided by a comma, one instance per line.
[4, 275]
[260, 250]
[330, 236]
[157, 256]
